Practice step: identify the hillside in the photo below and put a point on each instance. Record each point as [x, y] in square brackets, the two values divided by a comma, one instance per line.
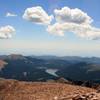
[16, 90]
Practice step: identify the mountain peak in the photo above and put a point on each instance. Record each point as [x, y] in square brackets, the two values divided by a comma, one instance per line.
[16, 56]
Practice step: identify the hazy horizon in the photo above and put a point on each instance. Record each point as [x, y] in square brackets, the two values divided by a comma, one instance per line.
[48, 55]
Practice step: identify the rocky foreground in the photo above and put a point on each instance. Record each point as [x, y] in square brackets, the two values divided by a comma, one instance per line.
[16, 90]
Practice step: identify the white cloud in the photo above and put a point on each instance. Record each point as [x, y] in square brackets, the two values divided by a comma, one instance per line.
[37, 15]
[56, 29]
[8, 14]
[67, 20]
[6, 32]
[72, 15]
[84, 31]
[75, 21]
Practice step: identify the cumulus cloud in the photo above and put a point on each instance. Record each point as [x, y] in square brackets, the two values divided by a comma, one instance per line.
[8, 14]
[67, 20]
[37, 15]
[75, 21]
[72, 15]
[83, 31]
[6, 32]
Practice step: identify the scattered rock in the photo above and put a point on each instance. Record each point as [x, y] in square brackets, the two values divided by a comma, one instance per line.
[89, 96]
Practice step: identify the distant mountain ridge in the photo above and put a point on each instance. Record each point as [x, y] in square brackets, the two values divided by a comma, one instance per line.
[48, 57]
[71, 58]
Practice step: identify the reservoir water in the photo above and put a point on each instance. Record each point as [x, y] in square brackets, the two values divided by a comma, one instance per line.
[52, 72]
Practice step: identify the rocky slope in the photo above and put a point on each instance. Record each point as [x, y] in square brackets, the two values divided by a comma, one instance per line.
[2, 64]
[16, 90]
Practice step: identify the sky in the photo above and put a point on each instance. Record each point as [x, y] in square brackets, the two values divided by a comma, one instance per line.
[50, 27]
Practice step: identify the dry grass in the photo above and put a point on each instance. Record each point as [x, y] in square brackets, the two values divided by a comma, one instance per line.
[15, 90]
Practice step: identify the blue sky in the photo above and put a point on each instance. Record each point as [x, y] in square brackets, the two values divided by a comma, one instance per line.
[31, 38]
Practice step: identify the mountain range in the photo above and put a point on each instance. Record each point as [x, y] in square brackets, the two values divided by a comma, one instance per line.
[43, 68]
